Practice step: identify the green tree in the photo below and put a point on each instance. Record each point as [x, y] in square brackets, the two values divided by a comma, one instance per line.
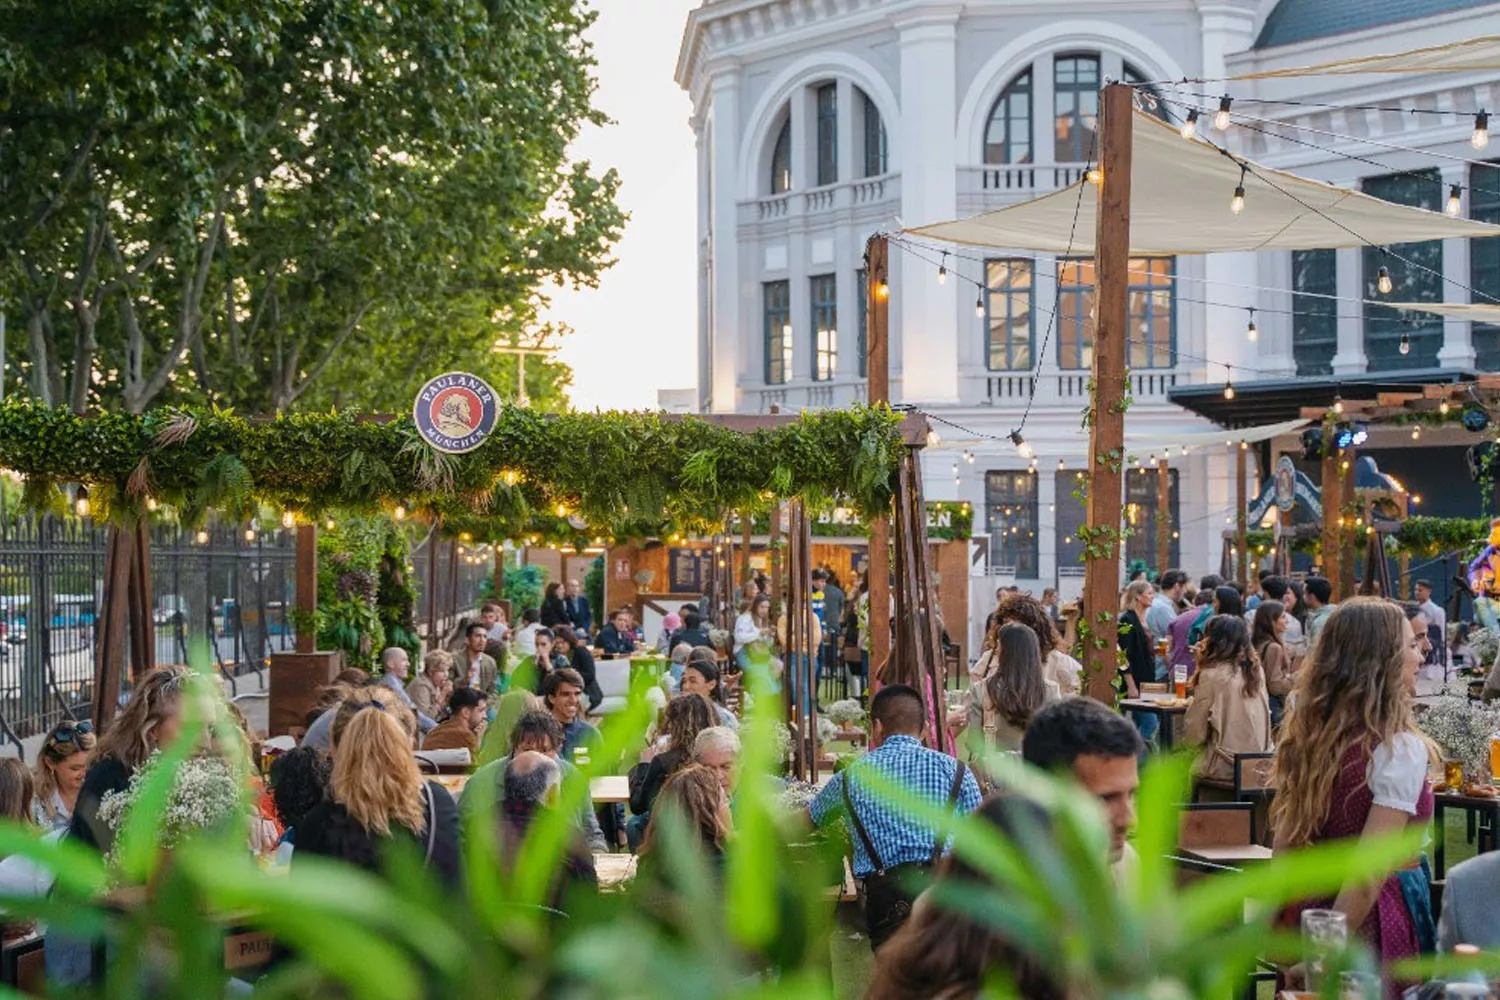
[235, 203]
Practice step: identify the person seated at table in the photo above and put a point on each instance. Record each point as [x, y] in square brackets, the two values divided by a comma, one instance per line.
[533, 782]
[700, 675]
[395, 666]
[685, 717]
[474, 667]
[463, 729]
[718, 749]
[1471, 904]
[58, 775]
[943, 951]
[524, 640]
[692, 632]
[1230, 713]
[429, 690]
[569, 651]
[616, 639]
[536, 732]
[676, 664]
[376, 793]
[1100, 749]
[319, 734]
[670, 623]
[693, 797]
[890, 844]
[1268, 639]
[1057, 666]
[562, 691]
[1008, 688]
[554, 611]
[299, 782]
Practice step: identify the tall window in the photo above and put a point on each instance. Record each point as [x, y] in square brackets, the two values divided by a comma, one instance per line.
[1010, 512]
[1009, 316]
[861, 334]
[825, 325]
[1315, 322]
[1140, 516]
[1153, 313]
[828, 134]
[1007, 137]
[1484, 260]
[1418, 281]
[778, 330]
[1149, 100]
[1075, 106]
[781, 159]
[1071, 515]
[877, 159]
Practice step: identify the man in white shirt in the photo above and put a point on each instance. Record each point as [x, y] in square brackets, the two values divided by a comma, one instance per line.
[1438, 622]
[525, 636]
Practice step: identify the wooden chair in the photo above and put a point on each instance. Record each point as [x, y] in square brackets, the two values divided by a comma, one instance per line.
[1216, 824]
[23, 965]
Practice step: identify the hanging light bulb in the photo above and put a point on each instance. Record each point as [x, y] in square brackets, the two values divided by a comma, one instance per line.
[399, 512]
[1221, 117]
[1383, 280]
[1094, 176]
[151, 503]
[1416, 433]
[1184, 449]
[1455, 200]
[979, 307]
[81, 505]
[249, 534]
[1338, 405]
[202, 538]
[943, 270]
[1022, 447]
[1228, 389]
[1061, 465]
[1190, 124]
[1481, 136]
[1443, 407]
[882, 289]
[1405, 346]
[1237, 203]
[330, 524]
[511, 477]
[1251, 333]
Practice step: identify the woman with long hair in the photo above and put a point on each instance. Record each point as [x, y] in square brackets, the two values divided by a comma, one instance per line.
[694, 797]
[1351, 763]
[700, 675]
[1135, 638]
[554, 608]
[58, 775]
[568, 650]
[755, 636]
[1004, 697]
[1057, 666]
[376, 793]
[945, 953]
[16, 791]
[151, 719]
[1268, 639]
[1229, 714]
[683, 719]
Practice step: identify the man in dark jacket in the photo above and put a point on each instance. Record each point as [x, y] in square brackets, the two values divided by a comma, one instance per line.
[615, 638]
[692, 632]
[579, 611]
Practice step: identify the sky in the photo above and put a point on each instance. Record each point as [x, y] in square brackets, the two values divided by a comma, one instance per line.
[636, 332]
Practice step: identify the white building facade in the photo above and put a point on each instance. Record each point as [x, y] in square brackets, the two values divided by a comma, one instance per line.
[821, 122]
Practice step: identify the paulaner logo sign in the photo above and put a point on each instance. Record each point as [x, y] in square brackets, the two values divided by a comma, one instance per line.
[455, 412]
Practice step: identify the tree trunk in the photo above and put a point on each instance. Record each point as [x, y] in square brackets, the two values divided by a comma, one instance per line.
[40, 364]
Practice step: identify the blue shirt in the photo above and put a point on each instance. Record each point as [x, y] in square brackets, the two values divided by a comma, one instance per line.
[393, 683]
[579, 733]
[898, 835]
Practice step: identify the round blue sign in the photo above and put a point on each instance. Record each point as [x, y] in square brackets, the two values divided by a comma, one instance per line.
[455, 412]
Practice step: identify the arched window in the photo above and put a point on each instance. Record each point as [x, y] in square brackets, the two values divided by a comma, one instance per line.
[876, 160]
[781, 159]
[1075, 82]
[1007, 137]
[1148, 98]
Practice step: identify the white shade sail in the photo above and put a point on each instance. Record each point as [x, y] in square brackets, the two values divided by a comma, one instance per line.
[1180, 204]
[1482, 54]
[1144, 446]
[1477, 312]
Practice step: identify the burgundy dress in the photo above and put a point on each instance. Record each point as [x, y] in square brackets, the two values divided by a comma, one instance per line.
[1389, 929]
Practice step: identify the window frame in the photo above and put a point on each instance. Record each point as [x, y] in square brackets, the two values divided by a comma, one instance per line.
[1010, 293]
[826, 102]
[1011, 501]
[1484, 258]
[781, 158]
[1075, 326]
[1082, 93]
[777, 339]
[877, 153]
[1383, 326]
[1315, 319]
[861, 335]
[1140, 491]
[1021, 85]
[823, 297]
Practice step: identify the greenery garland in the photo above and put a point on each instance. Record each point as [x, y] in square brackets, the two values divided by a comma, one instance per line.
[573, 476]
[1418, 536]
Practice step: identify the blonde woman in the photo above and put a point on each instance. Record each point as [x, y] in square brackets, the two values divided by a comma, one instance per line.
[376, 793]
[1351, 763]
[59, 772]
[429, 690]
[151, 719]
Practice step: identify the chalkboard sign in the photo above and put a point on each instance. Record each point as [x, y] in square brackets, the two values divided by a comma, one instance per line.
[688, 570]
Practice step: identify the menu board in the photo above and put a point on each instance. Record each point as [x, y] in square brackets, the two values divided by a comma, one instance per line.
[687, 570]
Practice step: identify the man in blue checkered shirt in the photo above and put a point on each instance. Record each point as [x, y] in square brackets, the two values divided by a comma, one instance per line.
[903, 845]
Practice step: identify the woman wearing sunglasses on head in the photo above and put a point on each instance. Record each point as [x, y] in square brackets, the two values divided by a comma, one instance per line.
[59, 772]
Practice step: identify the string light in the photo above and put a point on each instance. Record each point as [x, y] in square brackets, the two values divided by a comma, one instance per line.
[1251, 333]
[1405, 346]
[249, 534]
[399, 512]
[1190, 124]
[511, 477]
[151, 503]
[288, 519]
[882, 289]
[330, 524]
[1061, 465]
[1416, 433]
[1022, 447]
[979, 307]
[1416, 498]
[943, 270]
[1338, 405]
[1443, 407]
[1095, 176]
[1221, 117]
[562, 510]
[1237, 203]
[202, 538]
[1481, 136]
[1228, 389]
[1455, 200]
[1383, 280]
[81, 505]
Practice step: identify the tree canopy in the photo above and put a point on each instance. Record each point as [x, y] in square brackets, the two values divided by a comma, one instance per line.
[256, 205]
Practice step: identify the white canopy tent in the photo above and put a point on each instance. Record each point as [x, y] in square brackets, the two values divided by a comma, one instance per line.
[1472, 54]
[1143, 446]
[1180, 204]
[1475, 312]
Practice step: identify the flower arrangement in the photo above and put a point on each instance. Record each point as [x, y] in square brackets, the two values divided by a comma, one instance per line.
[719, 638]
[1462, 731]
[1484, 643]
[846, 713]
[206, 794]
[826, 729]
[798, 795]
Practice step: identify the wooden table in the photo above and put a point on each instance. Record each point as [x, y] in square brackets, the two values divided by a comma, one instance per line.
[453, 782]
[1164, 712]
[1232, 855]
[1477, 810]
[614, 870]
[610, 788]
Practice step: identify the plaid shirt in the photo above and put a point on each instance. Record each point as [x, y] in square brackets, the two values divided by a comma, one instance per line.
[898, 835]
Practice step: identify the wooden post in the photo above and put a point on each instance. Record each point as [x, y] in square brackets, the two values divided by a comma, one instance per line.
[745, 523]
[1331, 495]
[141, 600]
[877, 341]
[307, 587]
[774, 538]
[109, 650]
[1163, 516]
[1353, 533]
[1106, 458]
[1241, 527]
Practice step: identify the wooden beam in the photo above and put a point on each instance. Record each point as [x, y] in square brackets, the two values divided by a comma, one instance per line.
[1241, 527]
[1101, 586]
[1351, 534]
[1163, 515]
[1396, 398]
[109, 651]
[877, 341]
[142, 602]
[307, 588]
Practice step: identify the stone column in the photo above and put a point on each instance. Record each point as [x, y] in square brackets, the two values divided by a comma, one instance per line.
[1458, 336]
[1350, 357]
[729, 295]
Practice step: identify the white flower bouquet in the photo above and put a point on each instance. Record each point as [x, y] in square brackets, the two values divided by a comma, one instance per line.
[846, 713]
[1462, 732]
[798, 795]
[206, 795]
[826, 729]
[1484, 643]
